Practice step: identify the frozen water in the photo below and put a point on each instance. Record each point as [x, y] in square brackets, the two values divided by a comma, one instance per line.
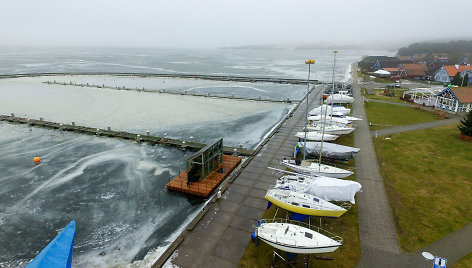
[205, 119]
[110, 187]
[114, 189]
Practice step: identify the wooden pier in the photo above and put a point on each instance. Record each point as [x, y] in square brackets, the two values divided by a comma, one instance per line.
[204, 188]
[163, 91]
[120, 134]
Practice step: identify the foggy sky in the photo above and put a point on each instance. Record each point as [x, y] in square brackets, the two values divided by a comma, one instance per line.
[218, 23]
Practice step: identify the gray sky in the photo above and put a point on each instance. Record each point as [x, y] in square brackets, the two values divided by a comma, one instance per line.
[217, 23]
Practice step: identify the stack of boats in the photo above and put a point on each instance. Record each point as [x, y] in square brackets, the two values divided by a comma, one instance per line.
[313, 188]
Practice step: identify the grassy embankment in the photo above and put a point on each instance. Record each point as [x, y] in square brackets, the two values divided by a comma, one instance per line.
[387, 115]
[346, 227]
[463, 263]
[428, 179]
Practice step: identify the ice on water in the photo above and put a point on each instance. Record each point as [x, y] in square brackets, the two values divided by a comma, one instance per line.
[115, 190]
[132, 110]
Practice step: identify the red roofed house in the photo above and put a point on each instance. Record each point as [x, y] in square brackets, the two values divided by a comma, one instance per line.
[447, 72]
[455, 99]
[412, 70]
[394, 71]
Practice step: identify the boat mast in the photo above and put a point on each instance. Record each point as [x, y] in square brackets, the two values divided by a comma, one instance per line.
[326, 112]
[332, 81]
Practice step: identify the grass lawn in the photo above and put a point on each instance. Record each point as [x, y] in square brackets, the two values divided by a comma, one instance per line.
[346, 227]
[395, 115]
[428, 179]
[464, 262]
[377, 96]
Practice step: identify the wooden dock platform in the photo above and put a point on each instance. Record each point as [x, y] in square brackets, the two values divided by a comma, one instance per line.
[120, 134]
[205, 187]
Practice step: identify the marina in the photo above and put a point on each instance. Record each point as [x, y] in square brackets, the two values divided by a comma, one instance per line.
[172, 134]
[293, 118]
[242, 204]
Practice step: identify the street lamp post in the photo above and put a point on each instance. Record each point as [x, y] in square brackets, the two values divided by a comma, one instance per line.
[309, 62]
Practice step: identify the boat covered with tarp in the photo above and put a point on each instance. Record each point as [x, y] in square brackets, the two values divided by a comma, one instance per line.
[331, 110]
[339, 98]
[329, 189]
[58, 253]
[328, 150]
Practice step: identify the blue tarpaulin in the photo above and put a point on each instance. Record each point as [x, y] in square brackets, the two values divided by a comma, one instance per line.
[58, 253]
[269, 204]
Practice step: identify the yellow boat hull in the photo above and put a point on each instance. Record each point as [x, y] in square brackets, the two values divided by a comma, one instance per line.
[306, 211]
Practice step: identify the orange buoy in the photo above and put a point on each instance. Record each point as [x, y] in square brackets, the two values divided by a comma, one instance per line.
[36, 159]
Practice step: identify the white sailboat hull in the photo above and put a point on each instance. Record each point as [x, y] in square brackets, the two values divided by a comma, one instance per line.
[316, 136]
[332, 129]
[321, 110]
[290, 249]
[296, 239]
[338, 120]
[316, 170]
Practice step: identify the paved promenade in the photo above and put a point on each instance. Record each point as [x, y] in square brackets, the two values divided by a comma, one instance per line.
[222, 235]
[377, 232]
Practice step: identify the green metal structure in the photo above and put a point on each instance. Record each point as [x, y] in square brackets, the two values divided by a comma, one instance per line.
[205, 161]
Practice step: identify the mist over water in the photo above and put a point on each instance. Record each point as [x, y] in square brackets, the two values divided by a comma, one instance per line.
[115, 190]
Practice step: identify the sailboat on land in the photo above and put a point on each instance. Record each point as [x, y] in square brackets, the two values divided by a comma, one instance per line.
[329, 189]
[328, 150]
[303, 203]
[316, 169]
[335, 110]
[291, 237]
[316, 136]
[330, 128]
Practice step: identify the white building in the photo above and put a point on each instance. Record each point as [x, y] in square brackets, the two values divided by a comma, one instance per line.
[455, 99]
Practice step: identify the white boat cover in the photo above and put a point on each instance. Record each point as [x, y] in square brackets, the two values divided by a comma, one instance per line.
[329, 189]
[339, 120]
[339, 98]
[337, 110]
[330, 150]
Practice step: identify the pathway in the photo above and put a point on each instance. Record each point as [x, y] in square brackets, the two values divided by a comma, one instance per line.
[379, 246]
[377, 232]
[220, 238]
